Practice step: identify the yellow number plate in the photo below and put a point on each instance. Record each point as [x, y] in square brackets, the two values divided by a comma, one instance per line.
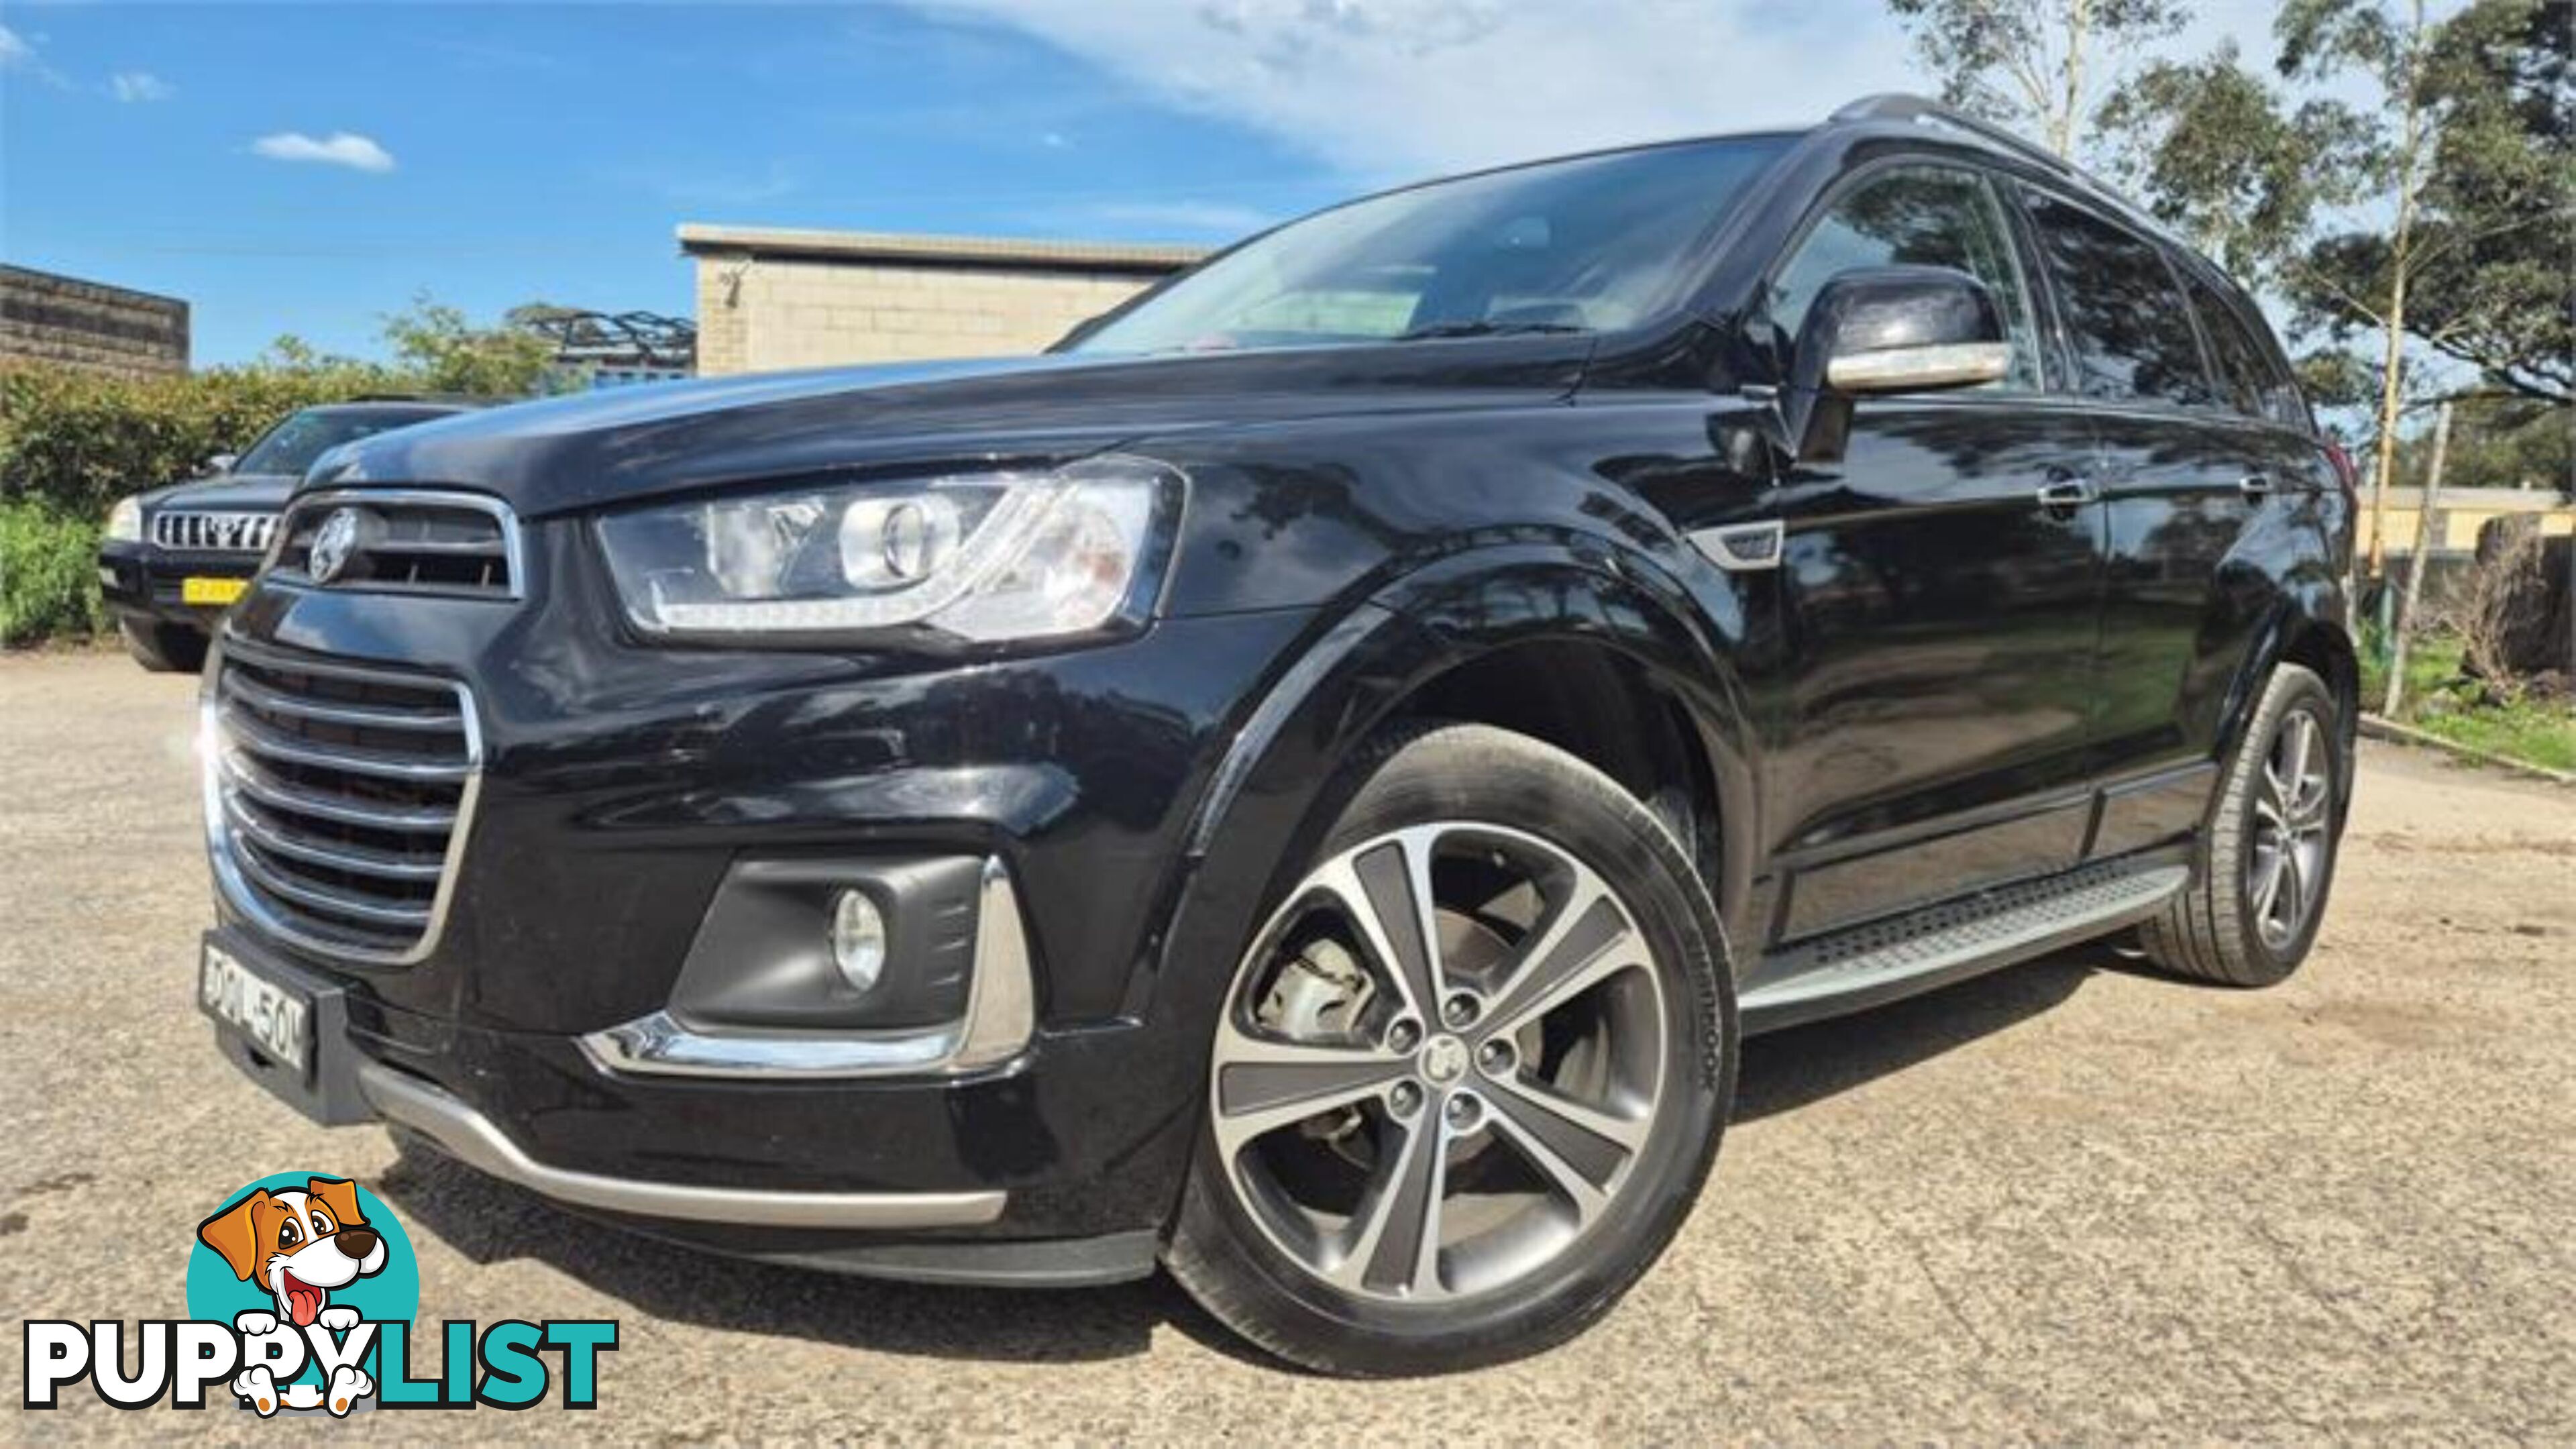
[211, 591]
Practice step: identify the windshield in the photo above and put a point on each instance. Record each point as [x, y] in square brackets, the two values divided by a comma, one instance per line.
[1591, 244]
[291, 446]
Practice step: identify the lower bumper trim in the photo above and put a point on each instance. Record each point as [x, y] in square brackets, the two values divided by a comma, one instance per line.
[473, 1139]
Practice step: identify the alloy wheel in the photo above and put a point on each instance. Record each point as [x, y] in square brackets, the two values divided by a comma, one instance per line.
[1439, 1063]
[2293, 806]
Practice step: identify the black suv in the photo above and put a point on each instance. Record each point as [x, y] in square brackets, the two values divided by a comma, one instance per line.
[173, 558]
[1306, 783]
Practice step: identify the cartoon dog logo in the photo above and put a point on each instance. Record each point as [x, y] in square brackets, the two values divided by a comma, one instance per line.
[298, 1246]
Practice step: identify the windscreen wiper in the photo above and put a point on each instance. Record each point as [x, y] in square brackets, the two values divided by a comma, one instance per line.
[1484, 329]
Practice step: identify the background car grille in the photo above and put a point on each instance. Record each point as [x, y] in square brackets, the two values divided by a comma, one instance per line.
[411, 542]
[337, 800]
[214, 532]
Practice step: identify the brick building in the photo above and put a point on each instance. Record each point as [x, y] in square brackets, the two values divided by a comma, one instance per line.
[49, 318]
[771, 298]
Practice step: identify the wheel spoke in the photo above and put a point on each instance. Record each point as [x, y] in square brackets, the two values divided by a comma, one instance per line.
[2297, 742]
[2294, 888]
[1576, 1161]
[1386, 891]
[1397, 1245]
[2272, 870]
[2308, 816]
[2267, 808]
[1529, 1100]
[1587, 939]
[1263, 1085]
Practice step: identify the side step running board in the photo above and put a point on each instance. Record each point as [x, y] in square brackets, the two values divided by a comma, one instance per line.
[1884, 960]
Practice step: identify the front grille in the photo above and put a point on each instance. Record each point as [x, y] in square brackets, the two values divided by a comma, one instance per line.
[337, 800]
[407, 541]
[214, 532]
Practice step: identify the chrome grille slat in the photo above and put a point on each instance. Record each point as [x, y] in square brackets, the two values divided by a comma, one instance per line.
[306, 893]
[337, 799]
[193, 531]
[260, 740]
[353, 859]
[236, 686]
[244, 776]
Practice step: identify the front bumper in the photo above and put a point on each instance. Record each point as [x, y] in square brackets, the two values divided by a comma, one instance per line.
[144, 583]
[621, 787]
[471, 1137]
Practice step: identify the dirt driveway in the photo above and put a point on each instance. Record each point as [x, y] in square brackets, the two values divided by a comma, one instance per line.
[2067, 1202]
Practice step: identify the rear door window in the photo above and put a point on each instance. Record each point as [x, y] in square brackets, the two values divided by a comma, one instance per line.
[2243, 376]
[2124, 314]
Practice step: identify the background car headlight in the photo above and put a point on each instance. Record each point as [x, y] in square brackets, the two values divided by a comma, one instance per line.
[125, 521]
[976, 558]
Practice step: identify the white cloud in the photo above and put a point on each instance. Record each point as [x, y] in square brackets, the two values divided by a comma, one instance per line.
[17, 53]
[1387, 89]
[340, 148]
[139, 85]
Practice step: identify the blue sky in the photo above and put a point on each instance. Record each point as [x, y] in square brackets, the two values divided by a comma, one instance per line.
[549, 151]
[307, 168]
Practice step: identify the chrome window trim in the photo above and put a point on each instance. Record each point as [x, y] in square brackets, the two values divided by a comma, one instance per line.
[215, 781]
[1000, 1018]
[513, 553]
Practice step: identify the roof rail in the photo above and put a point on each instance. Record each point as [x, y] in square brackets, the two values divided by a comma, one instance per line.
[1898, 106]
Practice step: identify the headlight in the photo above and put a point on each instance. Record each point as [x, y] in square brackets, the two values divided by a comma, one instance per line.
[125, 521]
[974, 558]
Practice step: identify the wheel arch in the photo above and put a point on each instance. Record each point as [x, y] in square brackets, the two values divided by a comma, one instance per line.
[1610, 661]
[2303, 636]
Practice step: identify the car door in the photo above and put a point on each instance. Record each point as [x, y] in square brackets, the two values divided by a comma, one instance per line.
[2184, 468]
[1939, 592]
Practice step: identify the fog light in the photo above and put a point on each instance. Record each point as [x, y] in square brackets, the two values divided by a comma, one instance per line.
[858, 939]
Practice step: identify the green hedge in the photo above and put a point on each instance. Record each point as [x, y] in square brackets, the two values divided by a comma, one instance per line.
[48, 574]
[72, 443]
[79, 441]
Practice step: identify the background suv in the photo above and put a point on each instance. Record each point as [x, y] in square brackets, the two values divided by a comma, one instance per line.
[173, 558]
[1307, 784]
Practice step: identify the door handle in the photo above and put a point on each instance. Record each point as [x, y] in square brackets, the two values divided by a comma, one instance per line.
[2255, 484]
[2060, 494]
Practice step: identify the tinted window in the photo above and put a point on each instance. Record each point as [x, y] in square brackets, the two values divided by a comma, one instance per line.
[291, 446]
[1933, 216]
[1587, 244]
[2242, 374]
[2282, 400]
[2132, 336]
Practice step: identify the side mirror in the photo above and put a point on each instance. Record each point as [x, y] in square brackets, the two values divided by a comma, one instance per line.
[222, 462]
[1884, 330]
[1902, 329]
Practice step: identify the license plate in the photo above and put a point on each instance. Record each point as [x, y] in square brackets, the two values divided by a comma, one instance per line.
[278, 1020]
[211, 591]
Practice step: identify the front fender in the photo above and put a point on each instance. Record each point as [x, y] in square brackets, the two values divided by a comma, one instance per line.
[1257, 819]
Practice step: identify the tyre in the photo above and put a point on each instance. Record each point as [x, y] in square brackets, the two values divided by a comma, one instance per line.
[163, 648]
[1469, 1075]
[2250, 915]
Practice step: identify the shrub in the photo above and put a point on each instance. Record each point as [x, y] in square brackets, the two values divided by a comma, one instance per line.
[48, 574]
[80, 441]
[72, 443]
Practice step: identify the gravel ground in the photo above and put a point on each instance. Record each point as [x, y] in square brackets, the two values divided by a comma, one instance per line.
[2068, 1202]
